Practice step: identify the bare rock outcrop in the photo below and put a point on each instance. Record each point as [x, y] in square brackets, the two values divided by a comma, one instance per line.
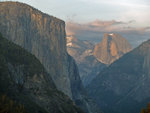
[111, 48]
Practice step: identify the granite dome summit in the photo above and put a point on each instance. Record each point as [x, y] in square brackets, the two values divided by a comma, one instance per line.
[111, 48]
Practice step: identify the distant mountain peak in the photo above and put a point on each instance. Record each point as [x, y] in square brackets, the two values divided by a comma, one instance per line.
[112, 47]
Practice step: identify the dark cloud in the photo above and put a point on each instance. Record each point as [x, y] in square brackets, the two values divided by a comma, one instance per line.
[131, 21]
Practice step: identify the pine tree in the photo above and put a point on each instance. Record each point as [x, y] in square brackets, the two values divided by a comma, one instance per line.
[9, 106]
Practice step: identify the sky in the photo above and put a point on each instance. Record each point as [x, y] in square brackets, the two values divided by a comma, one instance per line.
[82, 11]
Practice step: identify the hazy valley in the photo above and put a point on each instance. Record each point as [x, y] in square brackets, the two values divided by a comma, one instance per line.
[93, 58]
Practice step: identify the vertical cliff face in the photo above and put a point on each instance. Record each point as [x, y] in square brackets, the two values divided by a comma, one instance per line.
[40, 34]
[43, 36]
[112, 47]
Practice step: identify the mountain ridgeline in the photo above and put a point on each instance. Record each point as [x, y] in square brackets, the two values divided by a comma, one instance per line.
[24, 80]
[44, 36]
[124, 87]
[93, 58]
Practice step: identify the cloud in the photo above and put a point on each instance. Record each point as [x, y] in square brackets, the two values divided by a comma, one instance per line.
[99, 23]
[93, 31]
[103, 26]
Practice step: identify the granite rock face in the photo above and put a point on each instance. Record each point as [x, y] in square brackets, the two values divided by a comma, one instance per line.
[124, 86]
[24, 80]
[43, 36]
[40, 34]
[111, 48]
[82, 52]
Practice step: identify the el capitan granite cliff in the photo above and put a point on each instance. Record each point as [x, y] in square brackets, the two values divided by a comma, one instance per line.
[44, 36]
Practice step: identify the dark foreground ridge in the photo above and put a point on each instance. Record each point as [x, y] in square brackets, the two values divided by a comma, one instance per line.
[24, 80]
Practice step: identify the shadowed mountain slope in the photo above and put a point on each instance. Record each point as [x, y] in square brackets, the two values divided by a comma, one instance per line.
[124, 87]
[24, 80]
